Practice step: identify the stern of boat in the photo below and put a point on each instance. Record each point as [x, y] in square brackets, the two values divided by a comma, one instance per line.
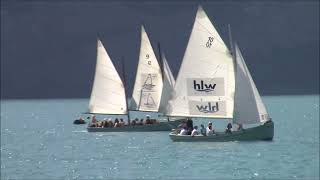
[268, 130]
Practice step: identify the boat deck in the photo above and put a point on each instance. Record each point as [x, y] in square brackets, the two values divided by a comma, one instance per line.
[262, 132]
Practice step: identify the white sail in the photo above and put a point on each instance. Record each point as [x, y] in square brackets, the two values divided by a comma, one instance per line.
[168, 85]
[249, 108]
[108, 93]
[206, 83]
[148, 84]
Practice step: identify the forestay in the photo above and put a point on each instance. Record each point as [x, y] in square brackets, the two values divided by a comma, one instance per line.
[168, 85]
[148, 84]
[108, 93]
[206, 83]
[249, 108]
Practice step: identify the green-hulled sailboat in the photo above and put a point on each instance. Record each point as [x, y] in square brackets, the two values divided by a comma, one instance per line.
[215, 83]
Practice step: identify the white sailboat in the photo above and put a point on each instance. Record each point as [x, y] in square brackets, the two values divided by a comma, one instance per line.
[108, 92]
[148, 84]
[208, 86]
[206, 83]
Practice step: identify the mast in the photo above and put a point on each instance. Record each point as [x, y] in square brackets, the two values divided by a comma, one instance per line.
[125, 85]
[161, 61]
[234, 65]
[231, 42]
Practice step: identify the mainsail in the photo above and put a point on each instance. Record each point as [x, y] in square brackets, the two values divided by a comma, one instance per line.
[206, 83]
[108, 93]
[168, 85]
[249, 108]
[148, 84]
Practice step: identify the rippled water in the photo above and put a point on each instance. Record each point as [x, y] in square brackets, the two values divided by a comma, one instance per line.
[39, 141]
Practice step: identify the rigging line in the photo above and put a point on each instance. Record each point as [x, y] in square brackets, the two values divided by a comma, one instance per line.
[116, 93]
[107, 65]
[117, 82]
[215, 50]
[211, 60]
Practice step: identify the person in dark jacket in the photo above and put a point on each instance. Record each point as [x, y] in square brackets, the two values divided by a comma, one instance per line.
[189, 125]
[229, 127]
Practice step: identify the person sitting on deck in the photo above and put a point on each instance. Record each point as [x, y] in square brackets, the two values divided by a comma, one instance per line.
[203, 130]
[116, 123]
[195, 131]
[183, 131]
[80, 119]
[240, 128]
[121, 122]
[101, 124]
[148, 120]
[110, 123]
[189, 125]
[182, 125]
[133, 122]
[209, 130]
[94, 119]
[229, 127]
[141, 122]
[106, 123]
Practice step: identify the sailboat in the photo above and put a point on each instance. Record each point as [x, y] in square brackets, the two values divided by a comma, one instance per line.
[152, 84]
[108, 95]
[148, 83]
[215, 83]
[147, 93]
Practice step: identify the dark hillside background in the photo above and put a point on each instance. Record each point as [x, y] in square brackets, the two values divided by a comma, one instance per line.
[48, 49]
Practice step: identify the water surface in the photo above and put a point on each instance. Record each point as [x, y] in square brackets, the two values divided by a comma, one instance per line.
[39, 141]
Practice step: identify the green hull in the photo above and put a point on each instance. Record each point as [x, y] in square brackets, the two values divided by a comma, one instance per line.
[162, 126]
[262, 132]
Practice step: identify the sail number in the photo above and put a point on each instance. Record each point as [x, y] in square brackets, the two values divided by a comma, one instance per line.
[147, 57]
[209, 42]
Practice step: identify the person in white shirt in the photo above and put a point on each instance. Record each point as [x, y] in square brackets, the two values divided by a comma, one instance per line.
[195, 131]
[209, 130]
[183, 131]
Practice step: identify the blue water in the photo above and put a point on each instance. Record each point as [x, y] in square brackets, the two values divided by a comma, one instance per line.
[39, 141]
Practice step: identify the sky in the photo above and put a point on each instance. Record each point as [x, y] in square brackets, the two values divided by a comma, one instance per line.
[48, 49]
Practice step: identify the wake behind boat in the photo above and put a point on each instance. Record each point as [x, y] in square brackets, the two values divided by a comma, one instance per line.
[215, 83]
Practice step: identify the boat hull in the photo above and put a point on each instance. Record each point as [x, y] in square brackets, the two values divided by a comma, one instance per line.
[78, 121]
[161, 126]
[262, 132]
